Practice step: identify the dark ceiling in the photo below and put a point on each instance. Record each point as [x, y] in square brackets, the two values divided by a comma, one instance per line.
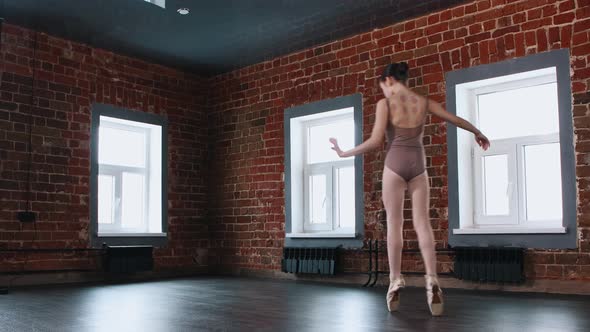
[217, 36]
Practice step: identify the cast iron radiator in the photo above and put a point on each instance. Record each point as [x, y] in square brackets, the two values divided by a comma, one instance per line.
[489, 264]
[309, 260]
[128, 259]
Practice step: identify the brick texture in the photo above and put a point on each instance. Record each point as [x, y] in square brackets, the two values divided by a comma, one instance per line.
[226, 171]
[69, 78]
[246, 123]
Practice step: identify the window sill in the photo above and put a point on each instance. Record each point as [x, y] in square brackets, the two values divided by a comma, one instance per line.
[132, 234]
[321, 235]
[511, 230]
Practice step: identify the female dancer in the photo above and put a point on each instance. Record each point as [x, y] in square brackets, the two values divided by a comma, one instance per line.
[401, 116]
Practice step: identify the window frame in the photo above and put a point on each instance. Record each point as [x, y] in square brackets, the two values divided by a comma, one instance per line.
[117, 172]
[480, 218]
[546, 237]
[329, 169]
[550, 139]
[513, 148]
[114, 235]
[308, 173]
[296, 160]
[159, 3]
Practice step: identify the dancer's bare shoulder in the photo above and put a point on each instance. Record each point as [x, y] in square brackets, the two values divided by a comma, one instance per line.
[415, 98]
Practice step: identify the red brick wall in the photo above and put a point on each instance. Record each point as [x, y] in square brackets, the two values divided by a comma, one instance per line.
[246, 127]
[242, 193]
[70, 77]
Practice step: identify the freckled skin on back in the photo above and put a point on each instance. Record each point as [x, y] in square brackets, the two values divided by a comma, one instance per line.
[407, 110]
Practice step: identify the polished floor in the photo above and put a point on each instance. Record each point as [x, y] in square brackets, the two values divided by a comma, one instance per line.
[248, 304]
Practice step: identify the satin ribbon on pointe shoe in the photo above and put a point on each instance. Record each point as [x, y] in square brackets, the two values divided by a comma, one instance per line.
[392, 297]
[434, 295]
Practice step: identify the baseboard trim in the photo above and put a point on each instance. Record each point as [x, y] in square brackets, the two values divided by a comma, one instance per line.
[577, 287]
[69, 277]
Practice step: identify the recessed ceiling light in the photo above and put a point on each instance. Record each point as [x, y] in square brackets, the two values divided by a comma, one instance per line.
[183, 11]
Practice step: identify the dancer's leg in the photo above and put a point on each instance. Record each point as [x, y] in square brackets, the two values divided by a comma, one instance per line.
[394, 187]
[419, 191]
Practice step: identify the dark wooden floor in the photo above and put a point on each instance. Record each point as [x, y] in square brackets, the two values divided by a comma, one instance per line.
[245, 304]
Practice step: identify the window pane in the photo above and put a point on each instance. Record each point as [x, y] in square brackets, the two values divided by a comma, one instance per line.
[346, 196]
[318, 199]
[132, 201]
[543, 182]
[319, 147]
[121, 147]
[161, 3]
[495, 170]
[106, 196]
[519, 112]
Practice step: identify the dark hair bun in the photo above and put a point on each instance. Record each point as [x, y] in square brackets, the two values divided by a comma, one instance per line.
[397, 70]
[403, 67]
[402, 71]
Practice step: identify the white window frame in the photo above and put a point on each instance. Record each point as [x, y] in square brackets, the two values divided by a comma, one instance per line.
[308, 173]
[515, 221]
[116, 171]
[159, 3]
[480, 218]
[303, 226]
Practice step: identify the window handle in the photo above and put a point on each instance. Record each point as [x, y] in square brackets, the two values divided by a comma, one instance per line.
[509, 189]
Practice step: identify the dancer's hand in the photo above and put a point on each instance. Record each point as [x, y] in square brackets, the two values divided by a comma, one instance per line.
[482, 140]
[336, 147]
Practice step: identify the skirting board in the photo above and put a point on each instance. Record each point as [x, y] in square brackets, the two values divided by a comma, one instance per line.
[577, 287]
[59, 278]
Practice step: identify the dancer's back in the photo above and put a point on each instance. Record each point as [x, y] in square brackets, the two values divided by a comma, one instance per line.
[404, 131]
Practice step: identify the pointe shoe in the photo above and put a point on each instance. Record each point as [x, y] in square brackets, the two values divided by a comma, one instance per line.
[392, 297]
[434, 295]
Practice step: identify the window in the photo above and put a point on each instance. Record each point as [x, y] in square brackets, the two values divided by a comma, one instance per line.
[525, 183]
[160, 3]
[125, 171]
[127, 174]
[520, 119]
[324, 191]
[328, 180]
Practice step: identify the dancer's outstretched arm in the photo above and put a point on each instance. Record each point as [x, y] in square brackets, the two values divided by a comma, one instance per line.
[437, 109]
[376, 139]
